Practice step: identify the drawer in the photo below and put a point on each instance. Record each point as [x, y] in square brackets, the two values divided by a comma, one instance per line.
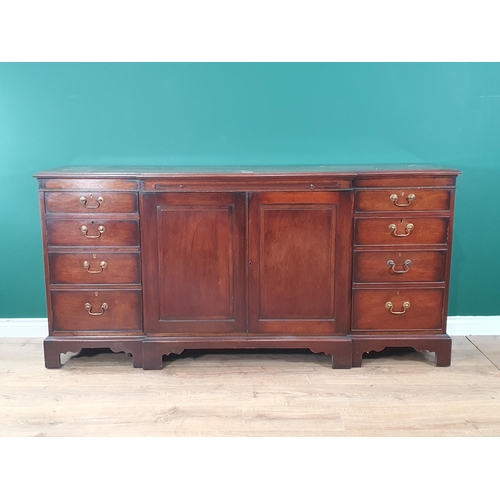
[87, 232]
[90, 202]
[396, 231]
[412, 309]
[374, 266]
[96, 311]
[407, 178]
[89, 184]
[403, 199]
[94, 268]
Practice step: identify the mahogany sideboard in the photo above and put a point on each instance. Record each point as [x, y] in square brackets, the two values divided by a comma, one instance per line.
[340, 260]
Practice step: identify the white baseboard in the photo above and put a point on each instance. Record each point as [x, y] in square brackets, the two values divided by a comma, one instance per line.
[458, 326]
[24, 327]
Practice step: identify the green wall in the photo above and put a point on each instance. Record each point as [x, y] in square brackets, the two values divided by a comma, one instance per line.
[55, 114]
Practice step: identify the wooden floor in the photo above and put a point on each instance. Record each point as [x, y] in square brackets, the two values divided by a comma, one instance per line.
[252, 393]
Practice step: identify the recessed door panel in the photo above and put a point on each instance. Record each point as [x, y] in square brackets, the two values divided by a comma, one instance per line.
[293, 262]
[297, 260]
[195, 263]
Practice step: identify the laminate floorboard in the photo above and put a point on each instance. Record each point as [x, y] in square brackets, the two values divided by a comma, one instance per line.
[251, 393]
[489, 346]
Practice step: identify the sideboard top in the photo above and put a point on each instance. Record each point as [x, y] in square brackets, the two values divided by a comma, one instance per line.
[144, 172]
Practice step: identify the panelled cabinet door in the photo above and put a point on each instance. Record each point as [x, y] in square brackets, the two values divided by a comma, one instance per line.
[194, 262]
[299, 262]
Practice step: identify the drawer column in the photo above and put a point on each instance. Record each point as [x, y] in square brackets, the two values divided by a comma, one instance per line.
[401, 265]
[92, 263]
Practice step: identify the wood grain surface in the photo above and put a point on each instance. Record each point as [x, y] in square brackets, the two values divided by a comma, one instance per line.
[370, 313]
[69, 202]
[122, 312]
[376, 231]
[255, 393]
[68, 232]
[423, 199]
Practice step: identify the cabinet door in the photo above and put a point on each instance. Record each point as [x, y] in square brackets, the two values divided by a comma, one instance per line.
[299, 262]
[193, 262]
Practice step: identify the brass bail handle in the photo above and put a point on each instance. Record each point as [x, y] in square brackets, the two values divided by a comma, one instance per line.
[83, 201]
[85, 230]
[390, 306]
[409, 228]
[102, 265]
[104, 306]
[392, 266]
[409, 199]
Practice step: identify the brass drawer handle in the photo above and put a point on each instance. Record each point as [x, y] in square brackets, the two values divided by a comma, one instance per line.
[83, 201]
[392, 266]
[409, 229]
[389, 306]
[85, 230]
[104, 306]
[102, 265]
[409, 198]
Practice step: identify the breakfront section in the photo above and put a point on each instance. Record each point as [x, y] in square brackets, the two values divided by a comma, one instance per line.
[339, 260]
[245, 268]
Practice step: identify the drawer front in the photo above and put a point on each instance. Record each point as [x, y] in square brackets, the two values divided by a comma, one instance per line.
[91, 311]
[403, 199]
[89, 185]
[90, 202]
[397, 231]
[416, 179]
[372, 266]
[86, 232]
[94, 268]
[412, 309]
